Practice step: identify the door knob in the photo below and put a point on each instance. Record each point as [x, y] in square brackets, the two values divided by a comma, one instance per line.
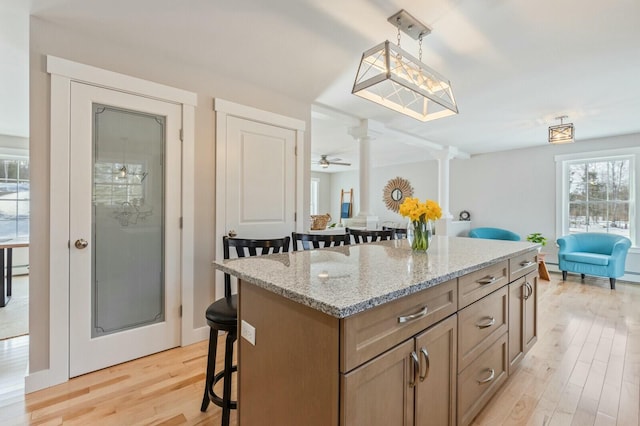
[80, 244]
[232, 233]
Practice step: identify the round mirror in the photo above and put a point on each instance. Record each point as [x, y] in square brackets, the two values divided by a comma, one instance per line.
[394, 193]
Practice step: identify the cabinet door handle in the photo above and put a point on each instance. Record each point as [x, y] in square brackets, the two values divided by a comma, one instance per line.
[412, 317]
[525, 291]
[415, 364]
[425, 355]
[526, 263]
[530, 288]
[486, 324]
[492, 375]
[487, 280]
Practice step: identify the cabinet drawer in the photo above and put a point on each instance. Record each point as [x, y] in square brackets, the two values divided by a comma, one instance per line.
[370, 333]
[480, 324]
[481, 380]
[478, 284]
[521, 265]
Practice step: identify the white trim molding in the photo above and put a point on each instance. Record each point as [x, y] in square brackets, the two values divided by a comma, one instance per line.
[63, 73]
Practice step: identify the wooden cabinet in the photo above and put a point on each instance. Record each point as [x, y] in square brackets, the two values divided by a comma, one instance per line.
[412, 384]
[434, 357]
[480, 324]
[523, 321]
[480, 380]
[370, 333]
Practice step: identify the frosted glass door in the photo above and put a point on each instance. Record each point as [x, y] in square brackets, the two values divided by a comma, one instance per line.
[128, 205]
[124, 242]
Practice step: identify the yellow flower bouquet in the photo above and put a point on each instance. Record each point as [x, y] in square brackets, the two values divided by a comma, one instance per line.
[420, 216]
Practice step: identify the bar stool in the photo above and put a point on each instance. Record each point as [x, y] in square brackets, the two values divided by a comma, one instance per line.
[398, 233]
[222, 315]
[369, 236]
[314, 241]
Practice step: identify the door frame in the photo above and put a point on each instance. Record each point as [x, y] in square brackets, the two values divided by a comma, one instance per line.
[225, 109]
[63, 72]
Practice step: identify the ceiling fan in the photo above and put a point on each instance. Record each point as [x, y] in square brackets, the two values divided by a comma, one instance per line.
[324, 162]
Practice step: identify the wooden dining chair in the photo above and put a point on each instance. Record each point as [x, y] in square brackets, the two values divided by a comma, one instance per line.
[222, 315]
[315, 241]
[398, 233]
[362, 236]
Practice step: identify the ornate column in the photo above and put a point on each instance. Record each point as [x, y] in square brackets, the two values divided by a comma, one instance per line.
[364, 218]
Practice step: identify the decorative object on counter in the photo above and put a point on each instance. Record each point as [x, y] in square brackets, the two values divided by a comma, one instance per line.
[419, 228]
[319, 221]
[537, 237]
[390, 76]
[561, 133]
[465, 215]
[395, 191]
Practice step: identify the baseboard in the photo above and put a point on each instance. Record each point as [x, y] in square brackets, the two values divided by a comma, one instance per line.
[196, 335]
[41, 380]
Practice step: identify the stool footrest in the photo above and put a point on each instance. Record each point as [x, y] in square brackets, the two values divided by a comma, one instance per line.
[212, 393]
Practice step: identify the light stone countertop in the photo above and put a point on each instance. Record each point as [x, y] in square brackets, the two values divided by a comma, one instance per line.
[343, 281]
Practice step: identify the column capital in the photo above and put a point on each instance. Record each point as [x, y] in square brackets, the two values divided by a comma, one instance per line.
[361, 132]
[446, 153]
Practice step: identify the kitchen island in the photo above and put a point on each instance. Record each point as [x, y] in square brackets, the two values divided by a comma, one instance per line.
[377, 334]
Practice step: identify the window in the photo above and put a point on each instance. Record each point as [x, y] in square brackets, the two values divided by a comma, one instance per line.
[598, 194]
[315, 195]
[14, 198]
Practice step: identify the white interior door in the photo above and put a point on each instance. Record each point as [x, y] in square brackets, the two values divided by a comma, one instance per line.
[124, 227]
[261, 179]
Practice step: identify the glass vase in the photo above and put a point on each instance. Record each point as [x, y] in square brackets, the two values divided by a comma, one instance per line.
[419, 234]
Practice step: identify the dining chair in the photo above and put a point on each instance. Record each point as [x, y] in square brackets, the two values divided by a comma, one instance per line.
[398, 233]
[361, 236]
[314, 241]
[222, 315]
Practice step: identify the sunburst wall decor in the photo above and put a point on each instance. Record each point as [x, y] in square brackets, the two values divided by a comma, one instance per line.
[394, 193]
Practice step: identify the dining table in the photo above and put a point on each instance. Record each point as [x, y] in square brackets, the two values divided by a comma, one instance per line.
[6, 266]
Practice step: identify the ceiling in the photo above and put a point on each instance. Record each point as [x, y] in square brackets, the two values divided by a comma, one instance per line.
[514, 65]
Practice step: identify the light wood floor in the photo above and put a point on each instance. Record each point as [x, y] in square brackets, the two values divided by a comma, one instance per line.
[584, 370]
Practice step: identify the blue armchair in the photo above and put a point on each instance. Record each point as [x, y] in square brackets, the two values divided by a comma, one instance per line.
[494, 234]
[591, 253]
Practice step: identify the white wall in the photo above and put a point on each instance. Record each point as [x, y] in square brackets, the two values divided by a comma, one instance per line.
[47, 38]
[423, 177]
[325, 194]
[516, 190]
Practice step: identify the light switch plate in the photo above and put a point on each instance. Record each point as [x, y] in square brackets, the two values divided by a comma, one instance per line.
[248, 332]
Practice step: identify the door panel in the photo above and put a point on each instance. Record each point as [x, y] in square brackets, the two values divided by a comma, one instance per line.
[260, 179]
[124, 226]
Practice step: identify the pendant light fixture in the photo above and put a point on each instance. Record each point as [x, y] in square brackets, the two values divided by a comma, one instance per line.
[391, 77]
[561, 133]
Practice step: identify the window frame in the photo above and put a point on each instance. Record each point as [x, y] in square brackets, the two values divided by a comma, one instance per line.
[562, 186]
[17, 155]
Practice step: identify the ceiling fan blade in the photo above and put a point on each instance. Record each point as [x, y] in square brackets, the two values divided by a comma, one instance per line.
[339, 164]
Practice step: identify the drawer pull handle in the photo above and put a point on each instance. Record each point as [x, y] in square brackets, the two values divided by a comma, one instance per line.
[425, 354]
[492, 375]
[412, 317]
[487, 280]
[526, 263]
[415, 364]
[487, 324]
